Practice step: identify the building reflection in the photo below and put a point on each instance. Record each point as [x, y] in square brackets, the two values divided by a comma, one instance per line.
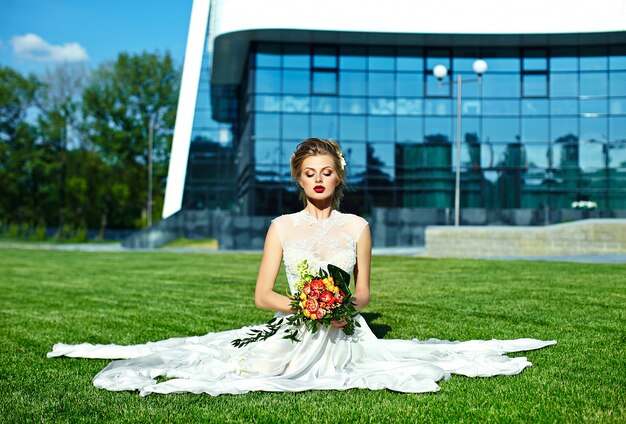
[546, 128]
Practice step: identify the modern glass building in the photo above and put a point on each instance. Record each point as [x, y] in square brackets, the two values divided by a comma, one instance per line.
[543, 127]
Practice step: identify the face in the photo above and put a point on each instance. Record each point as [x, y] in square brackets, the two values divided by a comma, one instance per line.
[318, 177]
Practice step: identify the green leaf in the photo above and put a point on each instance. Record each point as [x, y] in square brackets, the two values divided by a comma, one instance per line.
[260, 334]
[341, 277]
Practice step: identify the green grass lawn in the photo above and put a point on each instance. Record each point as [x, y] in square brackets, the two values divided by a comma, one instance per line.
[73, 297]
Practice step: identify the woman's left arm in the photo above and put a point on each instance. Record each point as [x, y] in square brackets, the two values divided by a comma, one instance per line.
[362, 269]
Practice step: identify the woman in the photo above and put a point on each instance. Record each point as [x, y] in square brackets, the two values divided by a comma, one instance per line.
[326, 359]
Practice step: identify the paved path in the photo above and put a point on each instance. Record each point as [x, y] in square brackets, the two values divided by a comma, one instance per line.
[377, 251]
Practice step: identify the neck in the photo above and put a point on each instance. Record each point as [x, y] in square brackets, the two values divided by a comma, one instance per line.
[319, 212]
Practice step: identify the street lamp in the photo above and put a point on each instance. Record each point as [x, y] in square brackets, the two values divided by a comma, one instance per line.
[480, 67]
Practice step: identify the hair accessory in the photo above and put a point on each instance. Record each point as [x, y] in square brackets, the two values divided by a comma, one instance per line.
[343, 161]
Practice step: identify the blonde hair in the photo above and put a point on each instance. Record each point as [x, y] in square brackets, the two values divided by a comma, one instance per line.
[317, 147]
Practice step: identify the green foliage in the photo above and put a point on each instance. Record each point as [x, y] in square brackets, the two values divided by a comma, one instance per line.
[119, 104]
[39, 233]
[80, 235]
[270, 329]
[14, 231]
[70, 233]
[22, 160]
[125, 298]
[83, 160]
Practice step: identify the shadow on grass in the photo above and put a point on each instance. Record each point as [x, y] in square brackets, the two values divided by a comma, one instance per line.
[380, 330]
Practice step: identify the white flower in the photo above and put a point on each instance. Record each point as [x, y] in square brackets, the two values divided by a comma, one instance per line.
[343, 161]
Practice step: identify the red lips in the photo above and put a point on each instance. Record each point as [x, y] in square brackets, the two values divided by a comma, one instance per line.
[319, 189]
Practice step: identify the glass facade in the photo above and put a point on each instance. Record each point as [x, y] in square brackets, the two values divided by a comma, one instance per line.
[544, 128]
[209, 182]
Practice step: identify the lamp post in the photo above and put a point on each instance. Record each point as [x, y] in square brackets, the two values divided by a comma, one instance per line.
[480, 67]
[150, 148]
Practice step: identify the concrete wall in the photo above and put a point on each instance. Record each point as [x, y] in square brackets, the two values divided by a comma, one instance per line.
[232, 232]
[393, 227]
[592, 236]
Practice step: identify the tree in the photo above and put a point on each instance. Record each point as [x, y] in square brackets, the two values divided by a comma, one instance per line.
[59, 100]
[21, 179]
[119, 103]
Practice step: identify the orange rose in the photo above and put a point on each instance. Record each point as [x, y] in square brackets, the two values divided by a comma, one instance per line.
[317, 285]
[312, 305]
[327, 297]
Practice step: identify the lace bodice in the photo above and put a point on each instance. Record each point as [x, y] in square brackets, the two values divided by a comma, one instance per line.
[320, 242]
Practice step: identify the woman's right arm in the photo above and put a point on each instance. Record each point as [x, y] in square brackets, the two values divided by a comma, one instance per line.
[264, 295]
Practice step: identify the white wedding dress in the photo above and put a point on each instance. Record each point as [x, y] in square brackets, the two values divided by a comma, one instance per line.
[328, 359]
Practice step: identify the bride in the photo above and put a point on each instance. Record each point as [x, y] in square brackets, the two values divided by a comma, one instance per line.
[326, 359]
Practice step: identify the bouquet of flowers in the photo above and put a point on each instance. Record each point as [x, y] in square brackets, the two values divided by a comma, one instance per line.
[319, 299]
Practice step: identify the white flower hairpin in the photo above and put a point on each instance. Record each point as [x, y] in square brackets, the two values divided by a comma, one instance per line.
[343, 161]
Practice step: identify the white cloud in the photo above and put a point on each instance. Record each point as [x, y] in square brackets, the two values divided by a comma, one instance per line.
[32, 47]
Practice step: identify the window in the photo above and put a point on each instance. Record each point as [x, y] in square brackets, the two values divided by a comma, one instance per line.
[268, 80]
[325, 57]
[268, 55]
[535, 73]
[352, 128]
[381, 59]
[381, 84]
[324, 126]
[324, 82]
[296, 56]
[324, 70]
[352, 84]
[409, 129]
[410, 84]
[380, 128]
[353, 58]
[296, 126]
[324, 104]
[409, 59]
[501, 85]
[296, 81]
[535, 85]
[564, 85]
[593, 84]
[564, 59]
[353, 105]
[535, 130]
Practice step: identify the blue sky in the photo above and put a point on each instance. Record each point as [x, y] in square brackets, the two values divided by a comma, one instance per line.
[36, 34]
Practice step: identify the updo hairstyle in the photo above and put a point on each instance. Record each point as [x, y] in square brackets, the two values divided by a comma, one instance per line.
[317, 147]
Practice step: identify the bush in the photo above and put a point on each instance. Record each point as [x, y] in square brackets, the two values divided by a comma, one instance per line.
[38, 234]
[79, 235]
[14, 231]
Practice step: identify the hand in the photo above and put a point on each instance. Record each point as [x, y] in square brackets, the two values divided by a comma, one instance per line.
[338, 323]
